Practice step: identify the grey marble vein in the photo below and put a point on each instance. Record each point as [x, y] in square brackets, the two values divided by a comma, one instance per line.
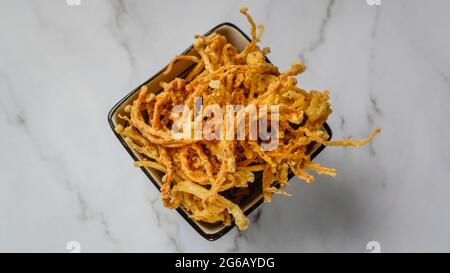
[321, 33]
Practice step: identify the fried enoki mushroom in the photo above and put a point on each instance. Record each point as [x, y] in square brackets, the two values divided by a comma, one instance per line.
[199, 173]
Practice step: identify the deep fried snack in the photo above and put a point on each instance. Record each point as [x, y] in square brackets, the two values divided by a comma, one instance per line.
[198, 172]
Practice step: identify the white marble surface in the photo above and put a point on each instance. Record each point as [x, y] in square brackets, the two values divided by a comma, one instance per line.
[64, 176]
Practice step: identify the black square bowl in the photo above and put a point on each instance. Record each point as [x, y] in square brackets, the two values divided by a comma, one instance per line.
[248, 204]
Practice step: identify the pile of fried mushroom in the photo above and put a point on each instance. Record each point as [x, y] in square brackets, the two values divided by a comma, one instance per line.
[199, 174]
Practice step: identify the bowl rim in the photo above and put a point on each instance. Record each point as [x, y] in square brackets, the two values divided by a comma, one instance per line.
[225, 230]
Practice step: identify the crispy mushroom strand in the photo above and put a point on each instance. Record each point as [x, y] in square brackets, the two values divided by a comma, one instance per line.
[199, 174]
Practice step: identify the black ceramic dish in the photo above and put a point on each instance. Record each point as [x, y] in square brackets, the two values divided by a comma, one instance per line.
[253, 201]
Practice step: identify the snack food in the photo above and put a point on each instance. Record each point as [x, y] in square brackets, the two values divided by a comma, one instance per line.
[199, 174]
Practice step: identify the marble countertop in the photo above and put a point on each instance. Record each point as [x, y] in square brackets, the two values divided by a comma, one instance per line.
[65, 177]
